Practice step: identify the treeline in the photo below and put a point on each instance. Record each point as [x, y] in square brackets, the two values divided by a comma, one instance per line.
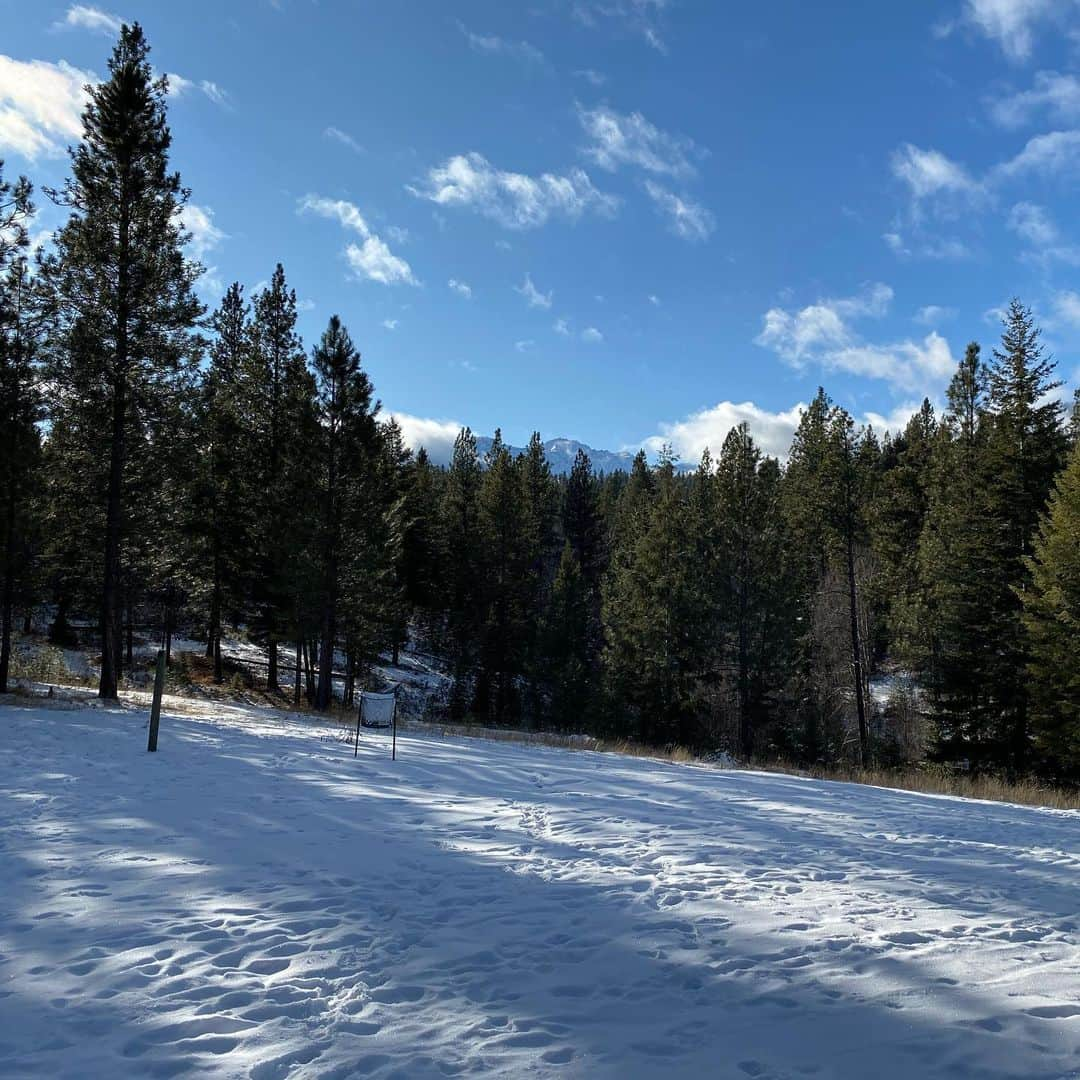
[891, 599]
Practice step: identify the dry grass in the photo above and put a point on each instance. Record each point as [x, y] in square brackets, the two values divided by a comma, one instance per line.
[939, 781]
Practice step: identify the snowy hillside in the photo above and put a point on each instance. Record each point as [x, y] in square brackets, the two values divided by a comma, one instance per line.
[252, 901]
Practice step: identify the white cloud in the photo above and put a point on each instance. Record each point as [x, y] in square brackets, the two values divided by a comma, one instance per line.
[562, 327]
[372, 259]
[497, 46]
[686, 218]
[594, 78]
[926, 247]
[435, 436]
[591, 335]
[1067, 307]
[375, 261]
[821, 333]
[1053, 152]
[772, 431]
[533, 295]
[344, 138]
[1011, 23]
[907, 364]
[524, 346]
[709, 428]
[640, 16]
[803, 334]
[205, 235]
[1032, 223]
[654, 300]
[929, 172]
[41, 106]
[1058, 94]
[84, 17]
[179, 86]
[895, 420]
[460, 288]
[629, 139]
[932, 314]
[390, 324]
[514, 200]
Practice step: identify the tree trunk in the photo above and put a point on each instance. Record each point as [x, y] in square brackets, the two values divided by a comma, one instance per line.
[325, 691]
[856, 652]
[130, 634]
[111, 622]
[7, 600]
[296, 674]
[219, 672]
[168, 627]
[271, 669]
[349, 693]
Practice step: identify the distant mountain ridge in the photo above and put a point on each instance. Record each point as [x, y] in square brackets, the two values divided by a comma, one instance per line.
[560, 455]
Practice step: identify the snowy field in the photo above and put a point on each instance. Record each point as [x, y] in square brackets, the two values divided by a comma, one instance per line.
[251, 901]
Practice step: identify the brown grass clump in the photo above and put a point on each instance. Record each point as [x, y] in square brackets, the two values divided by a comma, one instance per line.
[939, 781]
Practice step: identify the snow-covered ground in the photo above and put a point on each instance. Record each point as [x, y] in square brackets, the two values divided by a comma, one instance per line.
[252, 901]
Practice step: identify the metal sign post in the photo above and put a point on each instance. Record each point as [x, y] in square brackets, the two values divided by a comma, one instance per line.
[393, 729]
[359, 715]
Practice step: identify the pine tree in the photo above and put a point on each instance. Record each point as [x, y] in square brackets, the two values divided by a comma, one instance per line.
[461, 541]
[348, 440]
[502, 527]
[567, 674]
[277, 399]
[121, 293]
[540, 506]
[224, 499]
[20, 446]
[752, 619]
[1052, 619]
[1025, 450]
[898, 515]
[954, 552]
[653, 610]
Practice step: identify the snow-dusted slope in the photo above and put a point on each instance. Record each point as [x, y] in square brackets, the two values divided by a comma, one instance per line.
[252, 901]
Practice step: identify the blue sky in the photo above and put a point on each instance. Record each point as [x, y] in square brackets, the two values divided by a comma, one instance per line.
[622, 221]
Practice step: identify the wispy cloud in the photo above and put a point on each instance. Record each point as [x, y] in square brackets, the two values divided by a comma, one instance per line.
[524, 346]
[1045, 244]
[179, 87]
[641, 17]
[1010, 23]
[933, 314]
[492, 45]
[618, 139]
[463, 290]
[1058, 95]
[514, 200]
[686, 218]
[390, 324]
[344, 138]
[85, 17]
[533, 295]
[591, 336]
[198, 221]
[371, 259]
[592, 77]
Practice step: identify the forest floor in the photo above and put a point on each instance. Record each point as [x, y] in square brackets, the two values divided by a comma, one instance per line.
[252, 901]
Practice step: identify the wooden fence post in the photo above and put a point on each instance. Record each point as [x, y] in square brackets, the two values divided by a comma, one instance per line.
[155, 708]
